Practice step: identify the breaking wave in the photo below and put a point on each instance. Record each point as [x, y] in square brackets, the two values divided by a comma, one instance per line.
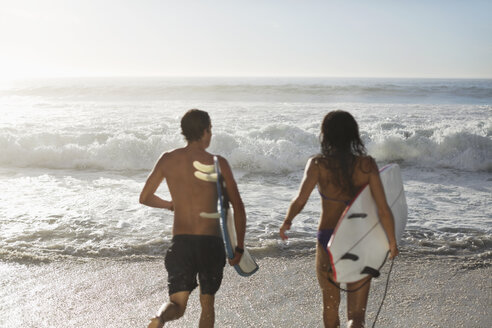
[274, 148]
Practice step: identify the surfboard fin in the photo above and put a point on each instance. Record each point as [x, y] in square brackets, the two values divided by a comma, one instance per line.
[349, 256]
[357, 215]
[373, 272]
[205, 172]
[208, 177]
[210, 215]
[204, 167]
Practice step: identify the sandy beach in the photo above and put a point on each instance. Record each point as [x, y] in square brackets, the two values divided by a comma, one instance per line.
[430, 292]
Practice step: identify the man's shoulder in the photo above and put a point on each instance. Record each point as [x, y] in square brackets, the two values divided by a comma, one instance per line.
[219, 157]
[222, 161]
[180, 154]
[169, 156]
[173, 152]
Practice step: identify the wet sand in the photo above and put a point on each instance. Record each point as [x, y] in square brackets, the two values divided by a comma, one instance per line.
[423, 292]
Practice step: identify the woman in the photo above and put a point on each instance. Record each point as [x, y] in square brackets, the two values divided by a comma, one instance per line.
[340, 171]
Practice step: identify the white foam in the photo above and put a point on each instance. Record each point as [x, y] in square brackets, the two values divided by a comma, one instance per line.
[461, 150]
[271, 149]
[71, 167]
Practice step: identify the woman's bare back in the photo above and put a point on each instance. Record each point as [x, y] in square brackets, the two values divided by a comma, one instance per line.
[335, 198]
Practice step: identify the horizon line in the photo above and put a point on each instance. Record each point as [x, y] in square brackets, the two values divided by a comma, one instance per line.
[13, 79]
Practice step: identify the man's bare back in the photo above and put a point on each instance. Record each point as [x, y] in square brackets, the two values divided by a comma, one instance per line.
[190, 195]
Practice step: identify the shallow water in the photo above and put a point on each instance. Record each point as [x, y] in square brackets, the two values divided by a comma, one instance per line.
[75, 155]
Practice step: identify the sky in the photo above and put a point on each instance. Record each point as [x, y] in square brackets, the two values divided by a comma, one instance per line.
[345, 38]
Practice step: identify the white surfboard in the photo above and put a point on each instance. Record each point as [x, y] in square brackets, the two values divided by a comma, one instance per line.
[359, 246]
[211, 173]
[247, 265]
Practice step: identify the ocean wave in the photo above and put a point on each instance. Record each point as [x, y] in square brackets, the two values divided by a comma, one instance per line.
[415, 243]
[463, 242]
[274, 148]
[96, 151]
[36, 255]
[461, 150]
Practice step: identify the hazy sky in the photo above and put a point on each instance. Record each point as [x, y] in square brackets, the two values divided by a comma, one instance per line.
[366, 38]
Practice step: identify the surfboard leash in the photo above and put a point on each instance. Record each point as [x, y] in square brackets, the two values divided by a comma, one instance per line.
[385, 291]
[348, 290]
[356, 289]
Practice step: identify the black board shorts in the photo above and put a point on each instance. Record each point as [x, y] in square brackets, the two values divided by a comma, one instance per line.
[192, 255]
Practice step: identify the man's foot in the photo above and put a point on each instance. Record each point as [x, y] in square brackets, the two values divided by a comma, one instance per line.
[156, 323]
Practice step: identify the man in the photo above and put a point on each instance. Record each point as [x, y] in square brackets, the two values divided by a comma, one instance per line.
[197, 247]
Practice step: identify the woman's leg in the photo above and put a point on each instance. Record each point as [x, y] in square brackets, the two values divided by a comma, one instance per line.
[331, 294]
[357, 302]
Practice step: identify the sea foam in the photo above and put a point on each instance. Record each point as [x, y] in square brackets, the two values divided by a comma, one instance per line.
[273, 148]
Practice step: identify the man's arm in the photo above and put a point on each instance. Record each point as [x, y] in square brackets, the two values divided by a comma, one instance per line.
[237, 204]
[148, 196]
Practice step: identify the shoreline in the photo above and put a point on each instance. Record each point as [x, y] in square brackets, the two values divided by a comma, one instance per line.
[423, 292]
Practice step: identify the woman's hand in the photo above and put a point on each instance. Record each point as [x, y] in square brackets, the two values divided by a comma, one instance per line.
[393, 251]
[283, 228]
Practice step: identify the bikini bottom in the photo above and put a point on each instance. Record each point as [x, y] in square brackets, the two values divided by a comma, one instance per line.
[324, 237]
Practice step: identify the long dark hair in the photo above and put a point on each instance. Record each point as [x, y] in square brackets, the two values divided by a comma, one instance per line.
[340, 144]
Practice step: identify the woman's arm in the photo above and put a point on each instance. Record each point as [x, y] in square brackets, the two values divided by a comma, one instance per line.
[309, 181]
[384, 211]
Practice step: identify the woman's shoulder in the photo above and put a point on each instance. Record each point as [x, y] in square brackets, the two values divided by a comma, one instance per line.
[321, 162]
[321, 159]
[367, 164]
[313, 162]
[316, 158]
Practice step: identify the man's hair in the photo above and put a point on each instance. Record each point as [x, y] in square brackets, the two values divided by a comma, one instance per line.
[194, 123]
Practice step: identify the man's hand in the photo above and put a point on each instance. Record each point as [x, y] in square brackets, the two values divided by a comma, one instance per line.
[169, 205]
[235, 260]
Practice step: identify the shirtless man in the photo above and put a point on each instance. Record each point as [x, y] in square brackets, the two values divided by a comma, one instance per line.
[197, 247]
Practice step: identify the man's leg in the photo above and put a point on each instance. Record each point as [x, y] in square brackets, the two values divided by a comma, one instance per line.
[172, 310]
[207, 317]
[212, 262]
[357, 303]
[331, 294]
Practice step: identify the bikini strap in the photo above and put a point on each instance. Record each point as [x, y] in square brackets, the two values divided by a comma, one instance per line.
[346, 202]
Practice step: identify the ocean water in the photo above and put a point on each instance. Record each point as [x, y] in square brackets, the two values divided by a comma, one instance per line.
[75, 153]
